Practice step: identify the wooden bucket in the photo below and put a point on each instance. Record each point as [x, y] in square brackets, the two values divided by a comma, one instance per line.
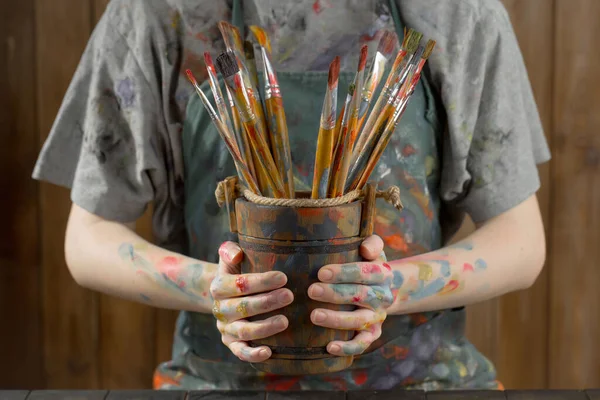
[298, 242]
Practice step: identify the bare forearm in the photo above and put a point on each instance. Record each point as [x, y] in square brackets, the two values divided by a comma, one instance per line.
[502, 256]
[111, 258]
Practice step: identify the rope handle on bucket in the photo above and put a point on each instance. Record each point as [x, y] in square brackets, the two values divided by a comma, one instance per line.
[391, 195]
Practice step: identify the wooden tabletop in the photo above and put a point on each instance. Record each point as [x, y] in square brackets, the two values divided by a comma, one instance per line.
[306, 395]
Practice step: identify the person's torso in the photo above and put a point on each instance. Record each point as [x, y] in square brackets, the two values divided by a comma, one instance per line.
[306, 35]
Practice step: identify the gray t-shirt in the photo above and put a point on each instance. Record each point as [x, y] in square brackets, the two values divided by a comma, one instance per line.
[116, 141]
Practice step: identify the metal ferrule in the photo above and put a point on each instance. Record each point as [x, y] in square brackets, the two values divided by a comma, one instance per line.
[271, 84]
[373, 76]
[329, 109]
[243, 105]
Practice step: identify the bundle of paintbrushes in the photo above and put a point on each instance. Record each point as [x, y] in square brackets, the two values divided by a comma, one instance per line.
[350, 143]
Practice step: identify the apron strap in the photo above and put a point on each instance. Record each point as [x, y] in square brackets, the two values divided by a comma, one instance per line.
[397, 21]
[237, 16]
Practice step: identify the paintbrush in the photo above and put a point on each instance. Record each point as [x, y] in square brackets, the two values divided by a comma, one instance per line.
[342, 120]
[386, 46]
[240, 164]
[397, 72]
[218, 95]
[277, 124]
[251, 63]
[238, 132]
[325, 139]
[343, 151]
[360, 159]
[361, 175]
[360, 76]
[241, 136]
[227, 65]
[234, 43]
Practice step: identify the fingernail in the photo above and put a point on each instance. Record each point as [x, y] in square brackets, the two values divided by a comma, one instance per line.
[317, 291]
[319, 316]
[263, 353]
[224, 253]
[326, 274]
[334, 348]
[280, 322]
[284, 297]
[280, 279]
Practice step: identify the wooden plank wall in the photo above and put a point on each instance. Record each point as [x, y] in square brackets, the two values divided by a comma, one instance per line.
[63, 336]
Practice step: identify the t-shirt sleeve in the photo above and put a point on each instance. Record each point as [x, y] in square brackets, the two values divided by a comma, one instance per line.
[102, 144]
[495, 138]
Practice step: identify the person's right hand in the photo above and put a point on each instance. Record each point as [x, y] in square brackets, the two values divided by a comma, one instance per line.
[235, 299]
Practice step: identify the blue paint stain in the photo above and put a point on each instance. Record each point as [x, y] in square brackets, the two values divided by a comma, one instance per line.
[445, 270]
[464, 246]
[398, 279]
[428, 290]
[480, 264]
[145, 298]
[126, 92]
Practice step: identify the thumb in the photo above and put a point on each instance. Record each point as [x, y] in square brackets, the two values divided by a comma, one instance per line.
[371, 248]
[230, 256]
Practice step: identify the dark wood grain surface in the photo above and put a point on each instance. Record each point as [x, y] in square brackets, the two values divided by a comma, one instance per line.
[20, 336]
[301, 395]
[467, 395]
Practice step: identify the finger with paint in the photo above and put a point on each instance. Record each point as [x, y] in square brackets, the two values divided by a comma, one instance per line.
[239, 296]
[366, 285]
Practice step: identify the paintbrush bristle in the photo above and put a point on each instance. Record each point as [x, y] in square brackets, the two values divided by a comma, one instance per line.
[387, 44]
[363, 57]
[413, 41]
[248, 50]
[261, 37]
[334, 72]
[407, 36]
[227, 64]
[224, 29]
[191, 77]
[209, 62]
[428, 49]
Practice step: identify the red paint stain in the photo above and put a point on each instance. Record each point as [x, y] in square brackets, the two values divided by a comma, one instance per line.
[281, 384]
[360, 377]
[371, 269]
[201, 36]
[317, 8]
[395, 352]
[241, 282]
[418, 319]
[356, 299]
[387, 266]
[396, 242]
[408, 150]
[468, 267]
[237, 81]
[309, 212]
[450, 286]
[170, 261]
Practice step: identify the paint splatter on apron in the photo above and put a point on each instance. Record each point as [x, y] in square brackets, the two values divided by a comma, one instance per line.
[420, 351]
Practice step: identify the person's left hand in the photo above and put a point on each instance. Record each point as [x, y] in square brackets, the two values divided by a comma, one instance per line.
[366, 285]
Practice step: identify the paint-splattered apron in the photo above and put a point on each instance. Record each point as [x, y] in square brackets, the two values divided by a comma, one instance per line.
[426, 350]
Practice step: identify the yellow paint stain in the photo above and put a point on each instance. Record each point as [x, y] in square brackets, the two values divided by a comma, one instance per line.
[462, 369]
[242, 309]
[175, 20]
[140, 246]
[425, 272]
[217, 311]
